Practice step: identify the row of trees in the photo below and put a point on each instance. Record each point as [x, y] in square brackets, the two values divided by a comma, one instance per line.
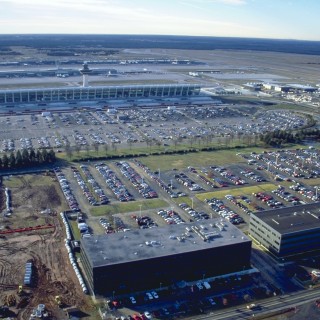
[24, 158]
[280, 137]
[311, 133]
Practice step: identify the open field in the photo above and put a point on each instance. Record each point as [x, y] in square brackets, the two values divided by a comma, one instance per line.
[128, 207]
[237, 191]
[198, 159]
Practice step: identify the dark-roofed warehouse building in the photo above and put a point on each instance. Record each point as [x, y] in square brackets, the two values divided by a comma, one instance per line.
[288, 231]
[142, 259]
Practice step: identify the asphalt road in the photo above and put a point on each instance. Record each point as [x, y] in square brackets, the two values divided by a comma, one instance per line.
[265, 307]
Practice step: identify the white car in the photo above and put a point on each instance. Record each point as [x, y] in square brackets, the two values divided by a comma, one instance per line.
[316, 273]
[147, 314]
[199, 285]
[133, 300]
[155, 295]
[149, 295]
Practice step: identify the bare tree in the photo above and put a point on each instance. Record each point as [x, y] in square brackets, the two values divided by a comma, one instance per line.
[191, 141]
[114, 146]
[106, 148]
[96, 147]
[87, 148]
[77, 148]
[68, 150]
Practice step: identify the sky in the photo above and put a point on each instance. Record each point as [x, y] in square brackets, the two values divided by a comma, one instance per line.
[278, 19]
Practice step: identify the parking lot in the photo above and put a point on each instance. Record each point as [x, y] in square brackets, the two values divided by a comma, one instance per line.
[113, 128]
[258, 182]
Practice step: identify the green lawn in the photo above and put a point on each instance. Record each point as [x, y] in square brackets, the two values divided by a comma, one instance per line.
[128, 207]
[194, 159]
[20, 181]
[75, 230]
[13, 182]
[237, 191]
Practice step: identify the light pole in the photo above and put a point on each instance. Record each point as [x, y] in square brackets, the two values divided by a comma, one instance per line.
[160, 286]
[316, 187]
[113, 292]
[203, 276]
[191, 203]
[159, 172]
[140, 205]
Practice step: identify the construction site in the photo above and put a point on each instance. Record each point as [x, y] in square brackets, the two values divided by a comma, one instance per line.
[32, 234]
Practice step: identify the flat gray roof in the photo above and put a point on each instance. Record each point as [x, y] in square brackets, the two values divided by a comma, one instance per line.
[151, 243]
[292, 219]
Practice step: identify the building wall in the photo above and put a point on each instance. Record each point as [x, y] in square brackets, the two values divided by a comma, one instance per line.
[265, 234]
[96, 93]
[147, 274]
[285, 244]
[300, 242]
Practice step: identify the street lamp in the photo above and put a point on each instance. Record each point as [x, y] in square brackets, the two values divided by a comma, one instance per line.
[316, 187]
[159, 172]
[192, 203]
[160, 285]
[113, 292]
[203, 276]
[140, 205]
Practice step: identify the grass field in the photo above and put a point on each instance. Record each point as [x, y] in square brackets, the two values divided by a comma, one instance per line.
[198, 159]
[128, 207]
[20, 181]
[75, 230]
[237, 191]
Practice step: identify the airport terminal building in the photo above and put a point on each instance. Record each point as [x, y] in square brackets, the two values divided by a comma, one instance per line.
[150, 258]
[288, 231]
[75, 94]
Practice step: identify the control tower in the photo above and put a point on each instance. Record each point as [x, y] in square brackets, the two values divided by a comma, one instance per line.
[85, 71]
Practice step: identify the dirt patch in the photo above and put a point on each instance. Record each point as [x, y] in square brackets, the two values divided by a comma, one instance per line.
[37, 197]
[52, 273]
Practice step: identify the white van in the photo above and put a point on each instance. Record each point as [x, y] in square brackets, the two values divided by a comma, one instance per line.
[206, 285]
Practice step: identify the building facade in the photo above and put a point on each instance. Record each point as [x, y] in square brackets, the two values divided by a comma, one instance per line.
[96, 93]
[288, 231]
